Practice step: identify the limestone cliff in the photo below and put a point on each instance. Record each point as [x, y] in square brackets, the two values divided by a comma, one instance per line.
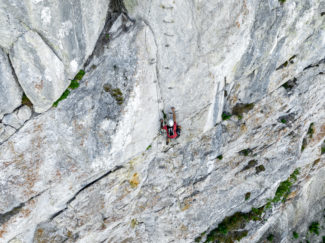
[83, 85]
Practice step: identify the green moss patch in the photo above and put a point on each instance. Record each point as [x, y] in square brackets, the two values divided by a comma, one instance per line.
[247, 196]
[304, 144]
[284, 188]
[79, 75]
[115, 93]
[291, 59]
[225, 116]
[314, 228]
[240, 109]
[290, 84]
[73, 85]
[232, 227]
[26, 101]
[250, 165]
[246, 152]
[259, 169]
[311, 130]
[75, 82]
[295, 235]
[199, 238]
[270, 237]
[283, 120]
[63, 96]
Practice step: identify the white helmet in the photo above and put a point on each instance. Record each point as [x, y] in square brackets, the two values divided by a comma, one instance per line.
[170, 123]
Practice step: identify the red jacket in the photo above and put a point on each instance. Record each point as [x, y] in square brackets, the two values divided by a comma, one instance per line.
[174, 131]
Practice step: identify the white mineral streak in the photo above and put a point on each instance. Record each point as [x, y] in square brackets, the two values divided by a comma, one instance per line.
[95, 169]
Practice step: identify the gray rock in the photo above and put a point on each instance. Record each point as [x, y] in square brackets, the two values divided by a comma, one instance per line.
[11, 120]
[10, 28]
[70, 29]
[24, 113]
[10, 92]
[40, 72]
[6, 132]
[18, 118]
[95, 168]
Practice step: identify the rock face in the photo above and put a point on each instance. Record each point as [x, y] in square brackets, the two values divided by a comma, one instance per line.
[9, 89]
[40, 72]
[247, 81]
[17, 118]
[49, 41]
[71, 28]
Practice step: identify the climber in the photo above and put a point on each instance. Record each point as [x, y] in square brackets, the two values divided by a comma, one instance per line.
[173, 130]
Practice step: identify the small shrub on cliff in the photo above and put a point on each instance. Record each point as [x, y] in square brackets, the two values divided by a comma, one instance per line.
[73, 85]
[270, 237]
[232, 227]
[63, 96]
[285, 186]
[295, 235]
[26, 101]
[246, 152]
[284, 121]
[304, 144]
[314, 228]
[250, 164]
[225, 116]
[115, 93]
[311, 130]
[79, 75]
[259, 169]
[75, 82]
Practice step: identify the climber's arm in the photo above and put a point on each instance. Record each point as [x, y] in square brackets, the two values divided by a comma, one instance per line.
[174, 114]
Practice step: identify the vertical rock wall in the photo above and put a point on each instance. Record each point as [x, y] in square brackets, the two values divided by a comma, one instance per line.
[9, 88]
[247, 81]
[58, 37]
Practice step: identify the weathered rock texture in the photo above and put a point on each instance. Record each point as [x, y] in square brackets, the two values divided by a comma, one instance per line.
[39, 70]
[49, 41]
[10, 91]
[96, 169]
